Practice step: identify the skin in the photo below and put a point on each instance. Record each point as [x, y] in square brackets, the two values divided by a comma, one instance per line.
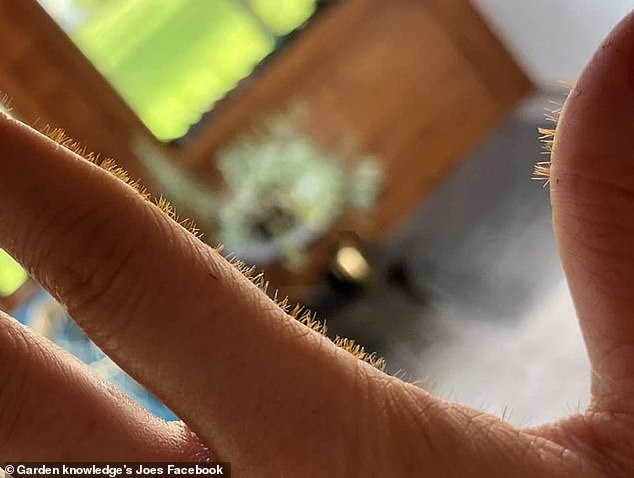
[261, 390]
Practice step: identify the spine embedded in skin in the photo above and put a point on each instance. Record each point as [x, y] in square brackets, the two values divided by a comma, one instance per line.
[298, 312]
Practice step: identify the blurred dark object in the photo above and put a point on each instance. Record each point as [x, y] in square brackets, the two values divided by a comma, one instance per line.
[349, 265]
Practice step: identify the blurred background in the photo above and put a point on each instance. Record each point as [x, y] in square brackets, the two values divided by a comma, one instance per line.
[373, 158]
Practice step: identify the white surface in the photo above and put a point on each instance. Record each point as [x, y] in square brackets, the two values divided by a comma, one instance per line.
[532, 373]
[553, 39]
[496, 329]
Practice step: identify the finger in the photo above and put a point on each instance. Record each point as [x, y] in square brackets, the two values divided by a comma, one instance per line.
[171, 311]
[592, 189]
[53, 409]
[256, 386]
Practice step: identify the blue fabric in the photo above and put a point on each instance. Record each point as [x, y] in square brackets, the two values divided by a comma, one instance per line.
[64, 332]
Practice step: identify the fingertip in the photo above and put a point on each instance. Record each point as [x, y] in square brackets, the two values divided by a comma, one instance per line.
[597, 116]
[592, 191]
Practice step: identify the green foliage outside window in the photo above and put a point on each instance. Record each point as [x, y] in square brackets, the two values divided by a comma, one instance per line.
[12, 276]
[171, 61]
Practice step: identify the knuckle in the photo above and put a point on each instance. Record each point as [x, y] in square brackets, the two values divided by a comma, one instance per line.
[90, 269]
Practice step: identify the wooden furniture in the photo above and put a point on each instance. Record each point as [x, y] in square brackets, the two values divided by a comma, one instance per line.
[416, 82]
[50, 82]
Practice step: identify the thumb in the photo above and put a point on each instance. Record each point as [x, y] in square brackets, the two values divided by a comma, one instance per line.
[592, 192]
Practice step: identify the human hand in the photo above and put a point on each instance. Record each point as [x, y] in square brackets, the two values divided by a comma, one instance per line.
[262, 390]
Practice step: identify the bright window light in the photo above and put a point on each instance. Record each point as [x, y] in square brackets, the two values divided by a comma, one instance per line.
[172, 61]
[12, 276]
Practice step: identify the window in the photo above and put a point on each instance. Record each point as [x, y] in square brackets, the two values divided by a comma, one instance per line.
[12, 276]
[172, 61]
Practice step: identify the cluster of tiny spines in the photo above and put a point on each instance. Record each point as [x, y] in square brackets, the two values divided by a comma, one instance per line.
[541, 171]
[110, 166]
[5, 102]
[304, 315]
[298, 312]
